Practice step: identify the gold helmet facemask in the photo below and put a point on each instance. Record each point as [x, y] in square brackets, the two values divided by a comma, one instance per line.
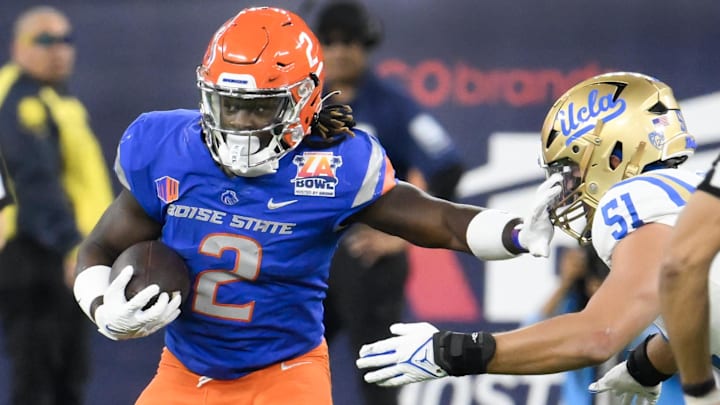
[604, 130]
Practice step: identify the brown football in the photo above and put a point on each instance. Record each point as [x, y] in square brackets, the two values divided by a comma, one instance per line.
[153, 263]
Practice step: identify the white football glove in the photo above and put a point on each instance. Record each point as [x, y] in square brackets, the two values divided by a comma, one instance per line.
[537, 231]
[119, 319]
[624, 387]
[403, 359]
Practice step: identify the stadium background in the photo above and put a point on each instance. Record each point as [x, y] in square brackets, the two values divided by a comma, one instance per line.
[489, 70]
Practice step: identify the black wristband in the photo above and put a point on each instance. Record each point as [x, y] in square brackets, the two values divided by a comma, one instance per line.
[463, 353]
[640, 367]
[699, 390]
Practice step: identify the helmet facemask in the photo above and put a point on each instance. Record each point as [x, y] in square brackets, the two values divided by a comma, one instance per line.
[569, 211]
[249, 130]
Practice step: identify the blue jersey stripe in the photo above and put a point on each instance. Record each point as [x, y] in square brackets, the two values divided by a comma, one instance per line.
[668, 189]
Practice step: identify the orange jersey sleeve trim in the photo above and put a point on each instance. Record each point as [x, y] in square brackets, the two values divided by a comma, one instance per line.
[390, 180]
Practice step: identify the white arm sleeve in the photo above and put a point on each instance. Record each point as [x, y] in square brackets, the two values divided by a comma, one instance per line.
[484, 234]
[90, 284]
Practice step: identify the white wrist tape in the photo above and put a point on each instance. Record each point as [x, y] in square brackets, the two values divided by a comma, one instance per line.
[90, 284]
[484, 235]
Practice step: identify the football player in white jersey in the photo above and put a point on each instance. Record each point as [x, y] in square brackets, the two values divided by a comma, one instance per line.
[617, 140]
[689, 296]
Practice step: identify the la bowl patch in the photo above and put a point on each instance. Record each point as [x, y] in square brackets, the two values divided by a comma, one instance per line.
[316, 174]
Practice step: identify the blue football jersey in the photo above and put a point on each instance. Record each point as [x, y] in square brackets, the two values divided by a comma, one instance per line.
[258, 248]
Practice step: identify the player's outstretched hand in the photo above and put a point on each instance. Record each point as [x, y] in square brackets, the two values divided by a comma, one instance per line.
[119, 319]
[403, 359]
[623, 387]
[537, 230]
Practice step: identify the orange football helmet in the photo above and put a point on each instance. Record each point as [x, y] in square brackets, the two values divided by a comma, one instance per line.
[260, 82]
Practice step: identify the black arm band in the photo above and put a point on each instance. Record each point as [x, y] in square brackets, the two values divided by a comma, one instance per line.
[699, 390]
[640, 367]
[463, 353]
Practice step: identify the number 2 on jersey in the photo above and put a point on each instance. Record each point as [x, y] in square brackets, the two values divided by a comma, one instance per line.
[247, 268]
[614, 216]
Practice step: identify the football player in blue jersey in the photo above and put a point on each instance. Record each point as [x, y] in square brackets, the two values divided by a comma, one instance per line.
[616, 140]
[254, 190]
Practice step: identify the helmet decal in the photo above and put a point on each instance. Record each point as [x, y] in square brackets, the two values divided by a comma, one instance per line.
[576, 123]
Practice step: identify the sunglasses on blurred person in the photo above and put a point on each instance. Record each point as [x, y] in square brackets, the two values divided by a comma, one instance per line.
[47, 40]
[341, 40]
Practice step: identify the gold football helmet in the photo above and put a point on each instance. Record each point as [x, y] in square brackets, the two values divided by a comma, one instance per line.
[606, 129]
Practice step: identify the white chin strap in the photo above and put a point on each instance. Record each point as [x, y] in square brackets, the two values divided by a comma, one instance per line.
[238, 156]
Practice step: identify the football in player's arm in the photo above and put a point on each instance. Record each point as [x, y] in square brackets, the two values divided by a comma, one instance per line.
[617, 140]
[254, 191]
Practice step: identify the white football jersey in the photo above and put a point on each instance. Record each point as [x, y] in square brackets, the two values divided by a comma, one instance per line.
[655, 196]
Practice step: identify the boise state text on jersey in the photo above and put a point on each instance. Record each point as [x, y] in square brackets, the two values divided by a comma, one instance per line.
[258, 248]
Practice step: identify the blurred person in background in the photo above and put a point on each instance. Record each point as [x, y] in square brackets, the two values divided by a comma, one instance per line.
[580, 274]
[60, 181]
[6, 198]
[370, 268]
[617, 140]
